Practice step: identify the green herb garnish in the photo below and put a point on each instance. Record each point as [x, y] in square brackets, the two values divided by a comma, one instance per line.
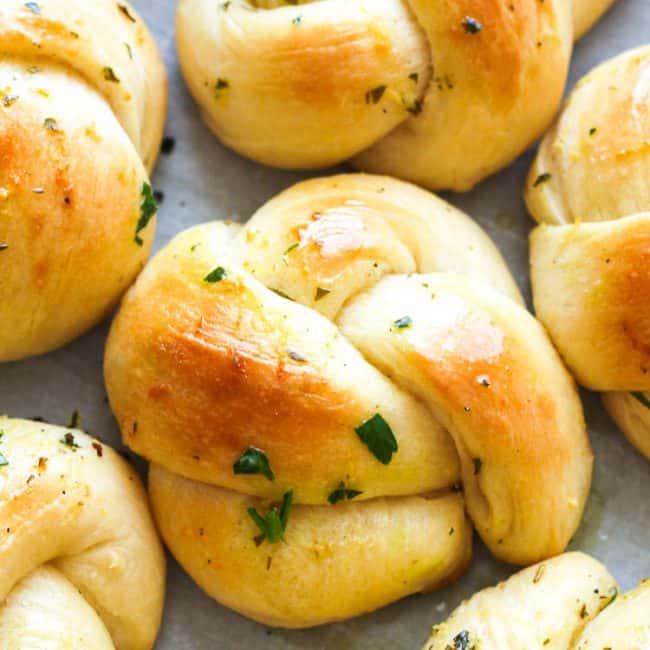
[592, 130]
[125, 10]
[75, 420]
[148, 208]
[342, 494]
[321, 293]
[377, 435]
[281, 294]
[68, 441]
[373, 96]
[641, 397]
[478, 464]
[461, 641]
[285, 255]
[297, 20]
[542, 178]
[414, 76]
[220, 87]
[253, 461]
[51, 124]
[471, 25]
[109, 75]
[403, 322]
[216, 275]
[274, 523]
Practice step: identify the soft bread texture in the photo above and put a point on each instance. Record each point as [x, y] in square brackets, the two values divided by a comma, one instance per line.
[82, 105]
[590, 258]
[335, 562]
[294, 347]
[441, 94]
[82, 566]
[570, 602]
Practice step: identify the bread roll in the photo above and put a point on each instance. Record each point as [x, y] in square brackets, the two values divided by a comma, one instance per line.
[590, 257]
[82, 105]
[439, 93]
[357, 340]
[82, 566]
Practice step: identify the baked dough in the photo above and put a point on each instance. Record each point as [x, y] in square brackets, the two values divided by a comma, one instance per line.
[438, 93]
[570, 602]
[82, 105]
[590, 258]
[348, 304]
[82, 566]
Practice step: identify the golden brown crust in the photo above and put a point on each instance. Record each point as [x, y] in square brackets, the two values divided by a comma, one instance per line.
[442, 94]
[71, 179]
[69, 504]
[588, 188]
[205, 360]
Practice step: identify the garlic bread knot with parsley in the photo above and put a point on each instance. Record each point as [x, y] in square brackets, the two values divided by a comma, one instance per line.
[82, 566]
[325, 391]
[83, 95]
[440, 93]
[570, 602]
[590, 256]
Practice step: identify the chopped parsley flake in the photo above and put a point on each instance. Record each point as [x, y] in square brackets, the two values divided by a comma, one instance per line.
[274, 524]
[75, 420]
[377, 435]
[297, 20]
[478, 464]
[461, 641]
[321, 293]
[109, 75]
[592, 130]
[148, 208]
[216, 275]
[285, 255]
[641, 397]
[68, 441]
[542, 178]
[51, 124]
[253, 461]
[374, 96]
[125, 10]
[220, 87]
[342, 494]
[403, 322]
[471, 25]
